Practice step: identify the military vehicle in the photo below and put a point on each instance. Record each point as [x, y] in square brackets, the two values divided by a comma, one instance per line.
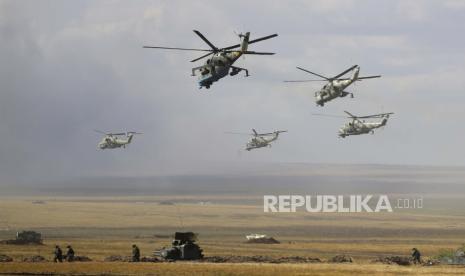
[114, 141]
[221, 63]
[260, 140]
[26, 237]
[357, 126]
[335, 86]
[183, 248]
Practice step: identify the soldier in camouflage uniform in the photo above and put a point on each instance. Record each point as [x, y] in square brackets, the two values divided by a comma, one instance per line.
[58, 254]
[69, 254]
[416, 256]
[135, 253]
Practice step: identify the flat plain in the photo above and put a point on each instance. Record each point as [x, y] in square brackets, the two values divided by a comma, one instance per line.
[98, 227]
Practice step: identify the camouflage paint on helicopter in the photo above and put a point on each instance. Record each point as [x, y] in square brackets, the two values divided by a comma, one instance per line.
[221, 63]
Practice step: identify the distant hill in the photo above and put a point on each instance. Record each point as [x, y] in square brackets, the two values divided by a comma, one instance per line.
[286, 178]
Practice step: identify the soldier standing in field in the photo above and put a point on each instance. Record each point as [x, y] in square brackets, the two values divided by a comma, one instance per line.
[69, 254]
[58, 254]
[416, 256]
[135, 253]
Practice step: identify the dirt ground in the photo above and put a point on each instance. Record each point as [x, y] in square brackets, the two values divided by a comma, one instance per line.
[101, 268]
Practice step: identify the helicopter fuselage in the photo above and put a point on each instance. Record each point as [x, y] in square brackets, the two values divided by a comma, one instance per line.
[260, 142]
[356, 127]
[217, 67]
[335, 89]
[112, 142]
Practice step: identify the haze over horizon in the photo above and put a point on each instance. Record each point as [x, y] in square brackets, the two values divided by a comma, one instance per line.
[68, 67]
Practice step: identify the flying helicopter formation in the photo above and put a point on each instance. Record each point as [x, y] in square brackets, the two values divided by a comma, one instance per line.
[220, 63]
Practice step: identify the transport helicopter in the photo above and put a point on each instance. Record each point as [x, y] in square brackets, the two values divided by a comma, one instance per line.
[260, 140]
[357, 126]
[220, 64]
[335, 86]
[113, 140]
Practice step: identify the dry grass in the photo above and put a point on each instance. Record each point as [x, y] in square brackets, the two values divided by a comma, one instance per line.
[99, 227]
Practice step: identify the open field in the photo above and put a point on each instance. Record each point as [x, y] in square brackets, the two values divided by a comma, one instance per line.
[98, 227]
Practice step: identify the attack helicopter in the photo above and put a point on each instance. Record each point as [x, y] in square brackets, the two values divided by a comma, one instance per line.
[260, 140]
[357, 126]
[335, 86]
[220, 64]
[113, 141]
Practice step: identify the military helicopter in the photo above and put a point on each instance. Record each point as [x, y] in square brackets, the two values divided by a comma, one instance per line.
[218, 66]
[260, 140]
[112, 141]
[357, 126]
[335, 86]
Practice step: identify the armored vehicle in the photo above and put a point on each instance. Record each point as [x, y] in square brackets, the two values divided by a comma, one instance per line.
[25, 237]
[183, 248]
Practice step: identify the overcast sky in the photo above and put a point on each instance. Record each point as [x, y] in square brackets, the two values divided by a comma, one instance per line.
[68, 67]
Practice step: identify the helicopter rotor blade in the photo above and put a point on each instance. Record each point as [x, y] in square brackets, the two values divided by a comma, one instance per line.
[99, 131]
[237, 133]
[345, 72]
[206, 40]
[109, 133]
[362, 78]
[271, 133]
[351, 115]
[302, 80]
[257, 53]
[328, 115]
[175, 48]
[262, 38]
[310, 72]
[204, 56]
[251, 41]
[369, 77]
[377, 115]
[133, 132]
